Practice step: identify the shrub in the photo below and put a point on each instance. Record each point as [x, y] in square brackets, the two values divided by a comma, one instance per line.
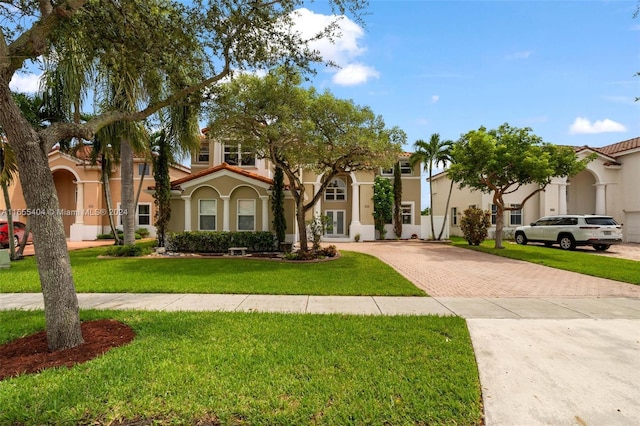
[128, 251]
[143, 232]
[474, 225]
[220, 242]
[330, 251]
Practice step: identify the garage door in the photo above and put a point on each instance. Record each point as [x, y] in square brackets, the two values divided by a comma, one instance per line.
[631, 228]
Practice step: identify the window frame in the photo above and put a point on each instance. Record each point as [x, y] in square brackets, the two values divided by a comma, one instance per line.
[494, 213]
[403, 206]
[238, 215]
[334, 191]
[147, 169]
[137, 214]
[454, 216]
[214, 215]
[243, 158]
[204, 151]
[516, 213]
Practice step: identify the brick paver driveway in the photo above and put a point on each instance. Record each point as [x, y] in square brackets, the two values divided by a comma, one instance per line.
[446, 271]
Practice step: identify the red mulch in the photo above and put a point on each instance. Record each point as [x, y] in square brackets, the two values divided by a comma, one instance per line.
[31, 354]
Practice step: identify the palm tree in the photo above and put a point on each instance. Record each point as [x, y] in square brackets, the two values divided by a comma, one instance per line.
[431, 154]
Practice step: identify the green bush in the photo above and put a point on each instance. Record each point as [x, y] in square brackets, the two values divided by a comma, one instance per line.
[143, 232]
[220, 242]
[474, 225]
[130, 250]
[109, 236]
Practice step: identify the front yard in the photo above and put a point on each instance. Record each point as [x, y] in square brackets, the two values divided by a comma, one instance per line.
[238, 368]
[352, 274]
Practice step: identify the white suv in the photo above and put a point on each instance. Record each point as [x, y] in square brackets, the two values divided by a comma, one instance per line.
[572, 230]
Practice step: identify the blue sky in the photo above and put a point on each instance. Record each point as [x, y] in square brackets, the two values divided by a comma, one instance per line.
[563, 68]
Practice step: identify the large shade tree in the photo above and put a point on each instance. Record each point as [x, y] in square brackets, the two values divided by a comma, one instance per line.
[300, 129]
[177, 50]
[503, 160]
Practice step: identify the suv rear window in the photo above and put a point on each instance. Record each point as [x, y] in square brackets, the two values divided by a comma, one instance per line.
[600, 221]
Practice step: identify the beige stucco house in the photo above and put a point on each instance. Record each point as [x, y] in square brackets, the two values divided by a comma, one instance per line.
[229, 190]
[80, 193]
[225, 189]
[609, 185]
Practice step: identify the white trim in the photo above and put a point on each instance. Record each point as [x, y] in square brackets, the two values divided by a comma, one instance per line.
[215, 215]
[238, 215]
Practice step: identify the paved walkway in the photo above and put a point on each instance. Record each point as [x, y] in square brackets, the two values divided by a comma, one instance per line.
[552, 347]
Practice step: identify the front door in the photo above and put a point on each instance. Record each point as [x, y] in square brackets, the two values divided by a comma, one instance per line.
[336, 223]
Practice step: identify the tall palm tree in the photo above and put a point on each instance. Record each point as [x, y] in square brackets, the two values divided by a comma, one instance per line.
[431, 154]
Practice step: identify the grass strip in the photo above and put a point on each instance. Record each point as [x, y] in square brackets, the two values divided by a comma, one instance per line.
[259, 369]
[584, 262]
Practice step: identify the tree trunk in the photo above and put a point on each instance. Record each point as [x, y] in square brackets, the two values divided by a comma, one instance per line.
[25, 237]
[127, 206]
[433, 231]
[54, 267]
[499, 225]
[106, 188]
[302, 226]
[140, 183]
[10, 230]
[446, 211]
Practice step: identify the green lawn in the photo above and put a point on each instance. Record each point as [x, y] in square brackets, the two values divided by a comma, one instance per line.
[258, 369]
[584, 262]
[352, 274]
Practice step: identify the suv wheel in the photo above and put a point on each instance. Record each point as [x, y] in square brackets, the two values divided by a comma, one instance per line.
[567, 242]
[521, 238]
[601, 247]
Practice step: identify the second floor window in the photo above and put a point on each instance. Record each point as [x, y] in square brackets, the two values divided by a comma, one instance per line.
[203, 154]
[144, 169]
[236, 156]
[336, 191]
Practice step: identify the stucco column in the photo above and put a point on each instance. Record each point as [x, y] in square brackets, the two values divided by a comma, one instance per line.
[317, 209]
[355, 203]
[187, 212]
[600, 198]
[562, 198]
[265, 212]
[225, 212]
[79, 202]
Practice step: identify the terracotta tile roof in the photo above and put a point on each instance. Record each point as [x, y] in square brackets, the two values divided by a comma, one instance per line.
[619, 147]
[224, 166]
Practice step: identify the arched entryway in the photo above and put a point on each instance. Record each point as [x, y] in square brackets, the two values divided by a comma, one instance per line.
[65, 183]
[581, 193]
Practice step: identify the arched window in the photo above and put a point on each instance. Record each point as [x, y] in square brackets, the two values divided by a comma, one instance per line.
[336, 191]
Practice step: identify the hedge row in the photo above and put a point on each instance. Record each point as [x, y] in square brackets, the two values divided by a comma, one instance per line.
[220, 242]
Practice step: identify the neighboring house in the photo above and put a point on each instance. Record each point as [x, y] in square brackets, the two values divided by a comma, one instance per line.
[230, 189]
[80, 193]
[608, 186]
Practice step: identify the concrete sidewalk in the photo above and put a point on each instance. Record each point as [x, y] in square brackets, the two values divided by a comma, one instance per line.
[470, 308]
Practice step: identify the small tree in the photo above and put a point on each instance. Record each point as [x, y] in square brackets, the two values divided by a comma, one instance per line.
[277, 205]
[317, 227]
[382, 204]
[162, 194]
[474, 225]
[505, 159]
[397, 200]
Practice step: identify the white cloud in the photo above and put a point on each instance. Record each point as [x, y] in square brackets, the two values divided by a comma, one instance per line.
[518, 55]
[344, 49]
[583, 126]
[354, 74]
[435, 98]
[25, 83]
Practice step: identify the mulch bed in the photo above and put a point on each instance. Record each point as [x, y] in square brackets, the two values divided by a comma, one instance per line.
[31, 354]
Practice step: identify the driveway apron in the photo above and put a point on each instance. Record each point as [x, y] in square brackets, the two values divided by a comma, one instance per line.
[534, 370]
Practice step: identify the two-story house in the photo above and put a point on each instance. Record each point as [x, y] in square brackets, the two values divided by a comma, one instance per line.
[229, 190]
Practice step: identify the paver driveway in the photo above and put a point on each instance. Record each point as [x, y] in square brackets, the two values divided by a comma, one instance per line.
[446, 271]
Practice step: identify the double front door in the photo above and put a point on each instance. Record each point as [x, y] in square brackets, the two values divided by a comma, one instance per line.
[336, 223]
